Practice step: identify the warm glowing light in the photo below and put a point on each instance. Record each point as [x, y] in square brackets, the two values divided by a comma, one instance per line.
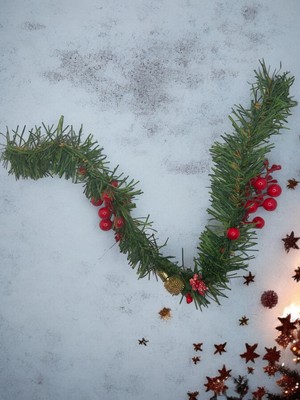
[294, 310]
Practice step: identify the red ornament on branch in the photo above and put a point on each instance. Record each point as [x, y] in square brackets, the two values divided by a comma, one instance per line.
[105, 224]
[233, 233]
[269, 204]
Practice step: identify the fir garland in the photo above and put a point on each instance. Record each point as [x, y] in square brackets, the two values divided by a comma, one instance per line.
[49, 150]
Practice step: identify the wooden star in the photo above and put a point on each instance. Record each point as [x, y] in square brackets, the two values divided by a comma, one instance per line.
[196, 360]
[272, 355]
[143, 341]
[292, 183]
[250, 370]
[220, 348]
[165, 313]
[192, 395]
[249, 278]
[286, 325]
[224, 373]
[250, 354]
[297, 274]
[244, 320]
[198, 346]
[290, 242]
[259, 393]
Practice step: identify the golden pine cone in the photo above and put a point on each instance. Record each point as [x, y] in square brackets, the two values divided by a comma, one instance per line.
[174, 285]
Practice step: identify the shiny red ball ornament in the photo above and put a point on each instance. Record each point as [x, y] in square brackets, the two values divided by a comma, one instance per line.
[274, 190]
[188, 298]
[104, 213]
[269, 204]
[233, 233]
[269, 299]
[259, 222]
[105, 224]
[119, 222]
[251, 206]
[260, 183]
[96, 202]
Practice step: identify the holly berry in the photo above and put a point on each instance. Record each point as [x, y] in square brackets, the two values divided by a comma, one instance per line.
[119, 222]
[189, 298]
[107, 197]
[104, 213]
[259, 222]
[105, 224]
[260, 183]
[269, 204]
[274, 190]
[251, 206]
[114, 183]
[96, 202]
[82, 171]
[233, 233]
[118, 237]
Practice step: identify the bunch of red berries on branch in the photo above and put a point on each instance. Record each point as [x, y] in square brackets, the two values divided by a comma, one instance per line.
[260, 192]
[109, 219]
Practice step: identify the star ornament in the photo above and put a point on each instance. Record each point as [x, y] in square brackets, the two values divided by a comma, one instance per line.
[197, 346]
[286, 325]
[244, 320]
[248, 279]
[220, 348]
[272, 355]
[250, 354]
[297, 274]
[193, 395]
[143, 341]
[290, 242]
[224, 373]
[259, 393]
[216, 385]
[196, 360]
[292, 183]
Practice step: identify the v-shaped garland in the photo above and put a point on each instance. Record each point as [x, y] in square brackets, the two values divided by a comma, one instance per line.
[240, 183]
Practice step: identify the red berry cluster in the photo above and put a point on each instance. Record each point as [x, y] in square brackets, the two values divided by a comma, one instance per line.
[265, 189]
[108, 218]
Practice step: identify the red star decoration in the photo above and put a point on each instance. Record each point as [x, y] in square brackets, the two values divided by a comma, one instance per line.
[216, 385]
[192, 395]
[297, 275]
[197, 346]
[220, 348]
[259, 393]
[271, 369]
[250, 370]
[286, 325]
[272, 355]
[196, 360]
[250, 354]
[290, 242]
[284, 340]
[224, 373]
[244, 320]
[248, 278]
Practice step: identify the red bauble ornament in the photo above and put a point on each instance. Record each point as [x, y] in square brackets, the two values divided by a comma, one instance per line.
[274, 190]
[233, 233]
[96, 202]
[251, 206]
[189, 298]
[105, 224]
[119, 222]
[269, 204]
[260, 183]
[259, 222]
[269, 299]
[104, 213]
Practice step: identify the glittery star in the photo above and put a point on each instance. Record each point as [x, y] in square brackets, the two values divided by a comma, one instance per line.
[248, 278]
[284, 340]
[250, 370]
[224, 373]
[259, 393]
[220, 348]
[197, 346]
[271, 369]
[286, 325]
[297, 274]
[292, 183]
[216, 385]
[290, 242]
[250, 354]
[244, 320]
[165, 313]
[196, 360]
[192, 395]
[272, 355]
[143, 341]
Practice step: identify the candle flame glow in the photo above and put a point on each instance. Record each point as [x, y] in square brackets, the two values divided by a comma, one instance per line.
[292, 309]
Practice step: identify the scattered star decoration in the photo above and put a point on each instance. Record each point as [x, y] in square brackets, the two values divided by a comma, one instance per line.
[271, 369]
[250, 370]
[272, 355]
[165, 313]
[216, 385]
[248, 278]
[290, 242]
[292, 183]
[250, 354]
[297, 274]
[259, 393]
[197, 346]
[286, 325]
[192, 395]
[224, 373]
[196, 360]
[220, 348]
[244, 320]
[143, 341]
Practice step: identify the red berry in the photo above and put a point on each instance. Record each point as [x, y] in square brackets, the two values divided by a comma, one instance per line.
[259, 222]
[104, 213]
[107, 197]
[233, 233]
[114, 183]
[105, 224]
[82, 171]
[118, 237]
[251, 206]
[274, 190]
[189, 298]
[119, 222]
[260, 183]
[96, 202]
[269, 204]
